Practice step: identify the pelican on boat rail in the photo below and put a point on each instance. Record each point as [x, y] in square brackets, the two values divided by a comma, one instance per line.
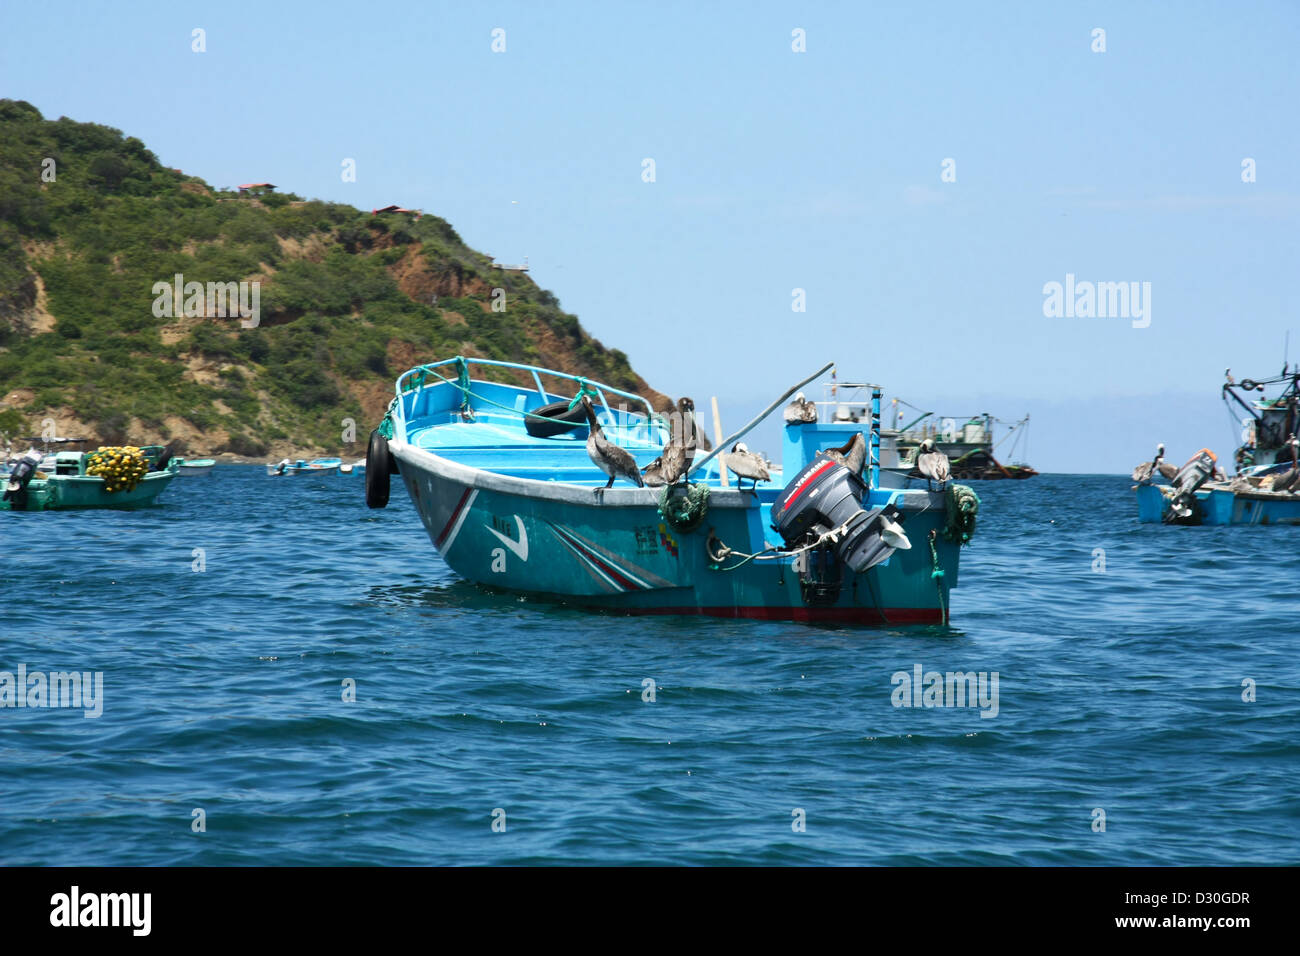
[503, 481]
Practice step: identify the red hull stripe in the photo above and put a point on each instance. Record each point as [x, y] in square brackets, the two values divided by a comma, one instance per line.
[847, 615]
[591, 566]
[451, 522]
[615, 574]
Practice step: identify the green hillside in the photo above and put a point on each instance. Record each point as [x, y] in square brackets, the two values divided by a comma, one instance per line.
[348, 300]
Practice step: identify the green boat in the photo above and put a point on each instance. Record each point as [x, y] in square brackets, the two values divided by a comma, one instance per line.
[28, 489]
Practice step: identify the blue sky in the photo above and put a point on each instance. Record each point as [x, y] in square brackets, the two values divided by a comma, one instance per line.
[778, 170]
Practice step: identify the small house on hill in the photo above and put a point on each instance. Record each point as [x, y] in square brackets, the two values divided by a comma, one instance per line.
[256, 189]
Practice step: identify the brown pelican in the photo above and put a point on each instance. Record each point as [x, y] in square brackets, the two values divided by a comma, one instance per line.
[800, 411]
[686, 432]
[932, 463]
[607, 456]
[852, 455]
[1290, 480]
[743, 463]
[674, 461]
[653, 473]
[1143, 472]
[671, 466]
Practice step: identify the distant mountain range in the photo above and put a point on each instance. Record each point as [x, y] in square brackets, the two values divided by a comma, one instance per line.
[139, 304]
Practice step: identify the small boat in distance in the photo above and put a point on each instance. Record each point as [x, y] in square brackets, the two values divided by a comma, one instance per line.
[1266, 487]
[110, 477]
[317, 466]
[510, 508]
[358, 466]
[196, 466]
[968, 445]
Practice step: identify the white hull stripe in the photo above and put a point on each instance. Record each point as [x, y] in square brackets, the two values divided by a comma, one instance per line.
[457, 521]
[600, 561]
[600, 576]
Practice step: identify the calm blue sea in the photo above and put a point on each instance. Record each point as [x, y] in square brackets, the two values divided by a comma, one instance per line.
[222, 691]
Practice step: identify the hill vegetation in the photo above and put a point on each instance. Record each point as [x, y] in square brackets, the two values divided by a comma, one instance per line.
[90, 221]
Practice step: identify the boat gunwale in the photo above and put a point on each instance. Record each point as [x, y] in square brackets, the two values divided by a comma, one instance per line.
[907, 500]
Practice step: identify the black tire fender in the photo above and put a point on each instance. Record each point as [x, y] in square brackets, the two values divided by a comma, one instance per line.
[379, 462]
[560, 419]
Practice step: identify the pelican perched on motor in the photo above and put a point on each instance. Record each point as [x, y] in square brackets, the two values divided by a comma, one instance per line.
[932, 463]
[607, 456]
[1144, 472]
[743, 463]
[852, 455]
[800, 411]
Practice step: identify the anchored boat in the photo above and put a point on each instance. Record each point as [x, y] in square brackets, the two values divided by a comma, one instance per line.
[196, 466]
[317, 466]
[968, 444]
[125, 477]
[501, 477]
[1266, 486]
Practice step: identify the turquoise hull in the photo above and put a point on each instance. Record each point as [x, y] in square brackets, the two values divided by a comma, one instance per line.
[1220, 506]
[74, 492]
[619, 553]
[529, 514]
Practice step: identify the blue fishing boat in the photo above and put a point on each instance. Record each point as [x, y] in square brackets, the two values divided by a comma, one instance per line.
[317, 466]
[1266, 487]
[502, 478]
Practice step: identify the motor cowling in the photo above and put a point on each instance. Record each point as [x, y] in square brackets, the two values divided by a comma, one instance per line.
[826, 496]
[1183, 506]
[21, 474]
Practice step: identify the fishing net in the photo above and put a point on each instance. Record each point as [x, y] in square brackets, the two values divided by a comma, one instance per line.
[962, 506]
[121, 467]
[684, 512]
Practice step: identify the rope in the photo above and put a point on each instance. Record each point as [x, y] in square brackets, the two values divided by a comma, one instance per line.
[722, 552]
[936, 572]
[962, 506]
[684, 512]
[582, 390]
[462, 382]
[386, 426]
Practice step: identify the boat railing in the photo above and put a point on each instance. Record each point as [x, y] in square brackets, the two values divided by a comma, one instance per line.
[462, 381]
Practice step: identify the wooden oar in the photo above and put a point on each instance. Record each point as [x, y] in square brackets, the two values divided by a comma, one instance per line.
[701, 462]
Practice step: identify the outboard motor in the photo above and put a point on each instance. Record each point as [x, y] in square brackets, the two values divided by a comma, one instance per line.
[21, 474]
[1183, 506]
[824, 497]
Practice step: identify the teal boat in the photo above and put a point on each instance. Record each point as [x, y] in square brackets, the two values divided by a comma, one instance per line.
[502, 480]
[27, 487]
